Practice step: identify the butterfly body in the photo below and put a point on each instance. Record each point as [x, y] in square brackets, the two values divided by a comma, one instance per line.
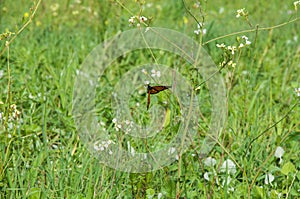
[155, 90]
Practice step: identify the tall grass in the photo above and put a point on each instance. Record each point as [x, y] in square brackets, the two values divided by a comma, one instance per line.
[43, 45]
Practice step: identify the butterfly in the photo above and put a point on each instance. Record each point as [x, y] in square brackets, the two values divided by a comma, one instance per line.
[154, 90]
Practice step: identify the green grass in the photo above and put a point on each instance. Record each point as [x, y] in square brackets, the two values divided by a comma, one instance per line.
[42, 153]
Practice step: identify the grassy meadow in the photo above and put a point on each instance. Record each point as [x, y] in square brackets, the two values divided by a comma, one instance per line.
[43, 45]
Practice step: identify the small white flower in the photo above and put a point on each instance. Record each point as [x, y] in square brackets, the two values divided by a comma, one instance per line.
[197, 32]
[230, 189]
[158, 73]
[240, 12]
[114, 94]
[54, 7]
[196, 5]
[233, 64]
[232, 49]
[144, 71]
[30, 96]
[155, 73]
[149, 5]
[127, 122]
[200, 29]
[13, 106]
[221, 10]
[206, 175]
[159, 195]
[279, 153]
[114, 120]
[296, 3]
[228, 166]
[295, 38]
[105, 145]
[131, 20]
[269, 178]
[227, 181]
[210, 162]
[222, 45]
[248, 42]
[297, 90]
[171, 150]
[244, 37]
[143, 19]
[96, 147]
[130, 149]
[75, 12]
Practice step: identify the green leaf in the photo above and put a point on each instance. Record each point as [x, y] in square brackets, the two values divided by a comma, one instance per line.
[34, 193]
[294, 136]
[167, 118]
[287, 168]
[150, 193]
[258, 192]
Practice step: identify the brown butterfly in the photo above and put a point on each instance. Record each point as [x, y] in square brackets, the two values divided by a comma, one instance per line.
[154, 90]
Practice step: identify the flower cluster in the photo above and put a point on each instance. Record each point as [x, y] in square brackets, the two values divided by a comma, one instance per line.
[200, 29]
[232, 49]
[14, 117]
[228, 167]
[155, 73]
[101, 146]
[241, 12]
[54, 8]
[269, 178]
[4, 36]
[15, 112]
[126, 125]
[247, 42]
[137, 20]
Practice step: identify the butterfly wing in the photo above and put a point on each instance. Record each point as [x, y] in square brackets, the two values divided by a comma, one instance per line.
[157, 89]
[154, 90]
